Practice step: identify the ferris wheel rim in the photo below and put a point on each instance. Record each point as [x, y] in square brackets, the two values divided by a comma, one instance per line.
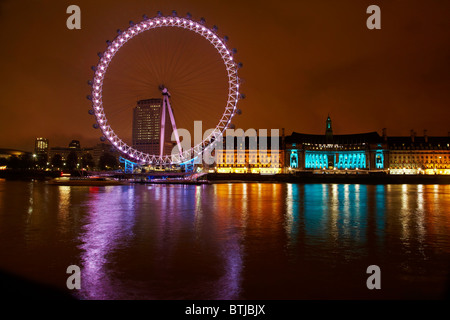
[132, 31]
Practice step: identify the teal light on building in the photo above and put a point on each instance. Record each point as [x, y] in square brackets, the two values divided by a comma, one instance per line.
[364, 151]
[379, 159]
[331, 160]
[293, 162]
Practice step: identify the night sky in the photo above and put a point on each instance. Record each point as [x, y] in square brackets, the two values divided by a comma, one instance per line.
[302, 61]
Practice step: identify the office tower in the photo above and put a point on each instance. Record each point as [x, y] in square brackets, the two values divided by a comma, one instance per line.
[147, 127]
[41, 146]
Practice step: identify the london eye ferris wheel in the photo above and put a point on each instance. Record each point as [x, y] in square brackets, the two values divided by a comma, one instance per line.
[180, 73]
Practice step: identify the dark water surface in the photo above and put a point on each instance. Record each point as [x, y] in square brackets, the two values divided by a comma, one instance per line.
[229, 241]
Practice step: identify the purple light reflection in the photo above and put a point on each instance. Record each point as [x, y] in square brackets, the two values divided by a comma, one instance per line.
[151, 228]
[109, 223]
[228, 287]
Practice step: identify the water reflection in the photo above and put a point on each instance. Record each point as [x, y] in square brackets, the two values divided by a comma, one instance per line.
[203, 242]
[107, 228]
[230, 241]
[2, 194]
[380, 212]
[292, 214]
[198, 212]
[64, 206]
[231, 224]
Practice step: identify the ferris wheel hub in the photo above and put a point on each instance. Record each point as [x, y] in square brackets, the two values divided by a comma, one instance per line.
[164, 90]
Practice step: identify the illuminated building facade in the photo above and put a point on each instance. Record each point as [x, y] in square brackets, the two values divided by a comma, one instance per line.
[74, 145]
[147, 127]
[419, 155]
[257, 155]
[364, 151]
[41, 150]
[41, 146]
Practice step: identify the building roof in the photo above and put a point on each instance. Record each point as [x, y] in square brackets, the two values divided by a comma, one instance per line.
[421, 142]
[12, 152]
[146, 102]
[369, 137]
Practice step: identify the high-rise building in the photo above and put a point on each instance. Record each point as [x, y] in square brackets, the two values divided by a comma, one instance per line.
[41, 146]
[147, 127]
[75, 144]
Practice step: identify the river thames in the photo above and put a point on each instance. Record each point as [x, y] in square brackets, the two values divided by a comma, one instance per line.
[229, 240]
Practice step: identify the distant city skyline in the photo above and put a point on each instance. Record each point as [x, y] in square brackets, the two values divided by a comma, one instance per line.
[58, 141]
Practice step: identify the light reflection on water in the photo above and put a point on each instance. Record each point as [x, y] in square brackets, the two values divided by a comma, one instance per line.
[230, 241]
[108, 227]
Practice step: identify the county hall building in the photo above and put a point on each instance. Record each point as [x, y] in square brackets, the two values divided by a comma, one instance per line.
[363, 151]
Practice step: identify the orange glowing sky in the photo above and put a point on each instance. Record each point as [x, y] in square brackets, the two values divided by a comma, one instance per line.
[302, 61]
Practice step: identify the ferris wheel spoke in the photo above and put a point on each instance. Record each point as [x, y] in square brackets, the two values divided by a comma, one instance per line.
[174, 126]
[161, 72]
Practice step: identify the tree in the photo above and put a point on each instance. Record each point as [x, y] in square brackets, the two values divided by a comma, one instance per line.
[22, 162]
[57, 161]
[26, 161]
[87, 161]
[72, 160]
[13, 162]
[107, 161]
[42, 160]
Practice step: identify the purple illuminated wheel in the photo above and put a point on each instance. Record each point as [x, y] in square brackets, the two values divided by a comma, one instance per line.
[114, 46]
